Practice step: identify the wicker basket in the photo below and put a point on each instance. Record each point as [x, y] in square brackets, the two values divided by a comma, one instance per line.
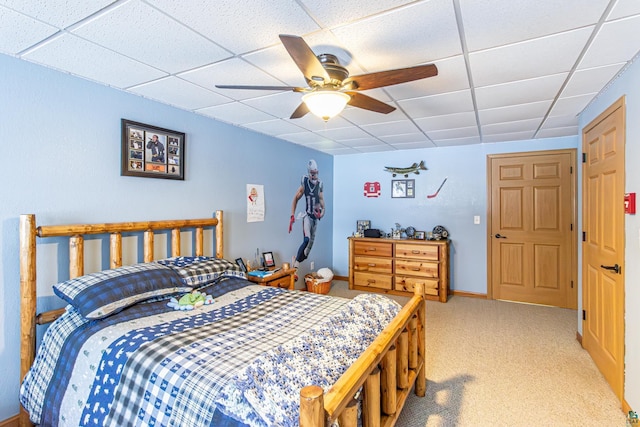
[315, 285]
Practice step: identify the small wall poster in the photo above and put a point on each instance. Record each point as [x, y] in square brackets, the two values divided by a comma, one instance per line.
[255, 203]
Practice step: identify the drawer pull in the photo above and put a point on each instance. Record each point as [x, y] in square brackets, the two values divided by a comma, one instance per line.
[371, 249]
[415, 252]
[371, 281]
[415, 269]
[371, 264]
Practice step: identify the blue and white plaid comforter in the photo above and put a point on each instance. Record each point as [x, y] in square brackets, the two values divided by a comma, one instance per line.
[239, 361]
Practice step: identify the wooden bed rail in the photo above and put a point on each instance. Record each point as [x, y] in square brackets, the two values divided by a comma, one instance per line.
[76, 232]
[386, 371]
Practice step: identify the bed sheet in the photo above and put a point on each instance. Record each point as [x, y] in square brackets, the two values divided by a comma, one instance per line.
[239, 361]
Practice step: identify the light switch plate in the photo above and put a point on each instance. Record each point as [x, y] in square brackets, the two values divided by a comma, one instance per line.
[476, 219]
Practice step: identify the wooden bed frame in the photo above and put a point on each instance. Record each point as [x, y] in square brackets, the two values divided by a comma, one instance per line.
[386, 371]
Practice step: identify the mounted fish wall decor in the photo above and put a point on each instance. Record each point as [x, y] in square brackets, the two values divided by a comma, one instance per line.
[414, 168]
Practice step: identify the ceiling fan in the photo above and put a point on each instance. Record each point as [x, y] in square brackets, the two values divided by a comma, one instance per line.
[330, 86]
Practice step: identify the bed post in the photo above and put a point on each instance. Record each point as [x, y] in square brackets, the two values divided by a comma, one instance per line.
[219, 236]
[421, 380]
[27, 299]
[312, 406]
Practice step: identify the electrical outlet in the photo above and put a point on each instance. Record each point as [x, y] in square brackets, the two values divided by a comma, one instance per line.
[313, 265]
[476, 219]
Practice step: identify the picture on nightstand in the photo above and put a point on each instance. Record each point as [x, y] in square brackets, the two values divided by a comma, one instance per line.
[240, 262]
[269, 261]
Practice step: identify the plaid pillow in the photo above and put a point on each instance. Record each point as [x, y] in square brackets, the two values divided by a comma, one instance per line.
[202, 270]
[100, 294]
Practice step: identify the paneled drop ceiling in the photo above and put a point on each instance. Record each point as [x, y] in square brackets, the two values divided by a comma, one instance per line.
[508, 69]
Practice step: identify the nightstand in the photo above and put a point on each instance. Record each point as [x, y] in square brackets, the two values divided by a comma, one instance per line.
[279, 279]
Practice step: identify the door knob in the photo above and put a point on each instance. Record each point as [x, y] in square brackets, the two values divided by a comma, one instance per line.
[499, 236]
[615, 267]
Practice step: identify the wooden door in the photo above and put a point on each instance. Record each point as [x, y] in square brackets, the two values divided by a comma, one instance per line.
[603, 143]
[531, 220]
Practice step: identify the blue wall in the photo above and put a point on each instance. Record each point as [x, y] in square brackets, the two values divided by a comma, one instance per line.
[61, 139]
[628, 85]
[462, 197]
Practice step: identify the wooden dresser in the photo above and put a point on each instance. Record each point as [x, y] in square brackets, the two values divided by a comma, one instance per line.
[394, 266]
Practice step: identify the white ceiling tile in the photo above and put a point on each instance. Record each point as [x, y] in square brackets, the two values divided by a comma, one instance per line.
[590, 80]
[326, 145]
[58, 13]
[467, 132]
[405, 138]
[452, 76]
[332, 13]
[511, 127]
[391, 128]
[515, 136]
[302, 137]
[236, 113]
[413, 145]
[560, 121]
[341, 134]
[232, 71]
[438, 105]
[519, 92]
[617, 41]
[177, 92]
[316, 124]
[240, 25]
[575, 104]
[361, 117]
[514, 112]
[273, 127]
[457, 141]
[340, 151]
[557, 132]
[147, 35]
[18, 32]
[456, 120]
[278, 104]
[525, 60]
[500, 22]
[276, 62]
[361, 142]
[418, 33]
[85, 59]
[375, 149]
[624, 8]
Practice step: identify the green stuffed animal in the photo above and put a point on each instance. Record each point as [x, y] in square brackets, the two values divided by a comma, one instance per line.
[194, 299]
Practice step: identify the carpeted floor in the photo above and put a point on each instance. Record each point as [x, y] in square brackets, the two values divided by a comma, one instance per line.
[496, 363]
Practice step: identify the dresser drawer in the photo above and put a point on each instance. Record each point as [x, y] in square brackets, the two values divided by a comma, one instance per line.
[408, 250]
[378, 281]
[408, 283]
[416, 268]
[373, 264]
[383, 249]
[282, 282]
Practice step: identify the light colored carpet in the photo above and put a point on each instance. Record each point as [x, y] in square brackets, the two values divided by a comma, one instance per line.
[496, 363]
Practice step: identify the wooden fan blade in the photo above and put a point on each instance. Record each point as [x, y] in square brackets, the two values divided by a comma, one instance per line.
[292, 88]
[300, 111]
[391, 77]
[304, 58]
[368, 103]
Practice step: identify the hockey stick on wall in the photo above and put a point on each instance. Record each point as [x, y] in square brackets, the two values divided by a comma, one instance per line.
[431, 196]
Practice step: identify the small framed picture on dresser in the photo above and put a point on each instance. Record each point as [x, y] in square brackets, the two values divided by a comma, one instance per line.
[419, 235]
[269, 261]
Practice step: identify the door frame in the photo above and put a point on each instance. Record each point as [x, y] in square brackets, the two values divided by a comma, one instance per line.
[573, 290]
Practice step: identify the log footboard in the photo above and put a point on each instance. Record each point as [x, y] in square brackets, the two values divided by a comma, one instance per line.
[386, 371]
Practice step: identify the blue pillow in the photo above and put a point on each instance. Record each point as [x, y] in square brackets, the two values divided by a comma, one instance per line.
[97, 295]
[202, 270]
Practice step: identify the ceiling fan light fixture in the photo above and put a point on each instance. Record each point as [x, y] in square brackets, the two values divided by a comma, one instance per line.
[326, 104]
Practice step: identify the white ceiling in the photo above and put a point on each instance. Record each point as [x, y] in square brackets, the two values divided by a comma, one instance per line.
[508, 69]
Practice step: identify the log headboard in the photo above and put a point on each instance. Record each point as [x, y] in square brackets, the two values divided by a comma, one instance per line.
[30, 231]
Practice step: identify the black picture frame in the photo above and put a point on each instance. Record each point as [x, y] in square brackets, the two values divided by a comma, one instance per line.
[144, 158]
[403, 188]
[363, 224]
[419, 235]
[268, 260]
[241, 263]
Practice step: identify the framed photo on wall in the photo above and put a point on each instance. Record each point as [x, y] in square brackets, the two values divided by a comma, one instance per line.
[152, 152]
[403, 188]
